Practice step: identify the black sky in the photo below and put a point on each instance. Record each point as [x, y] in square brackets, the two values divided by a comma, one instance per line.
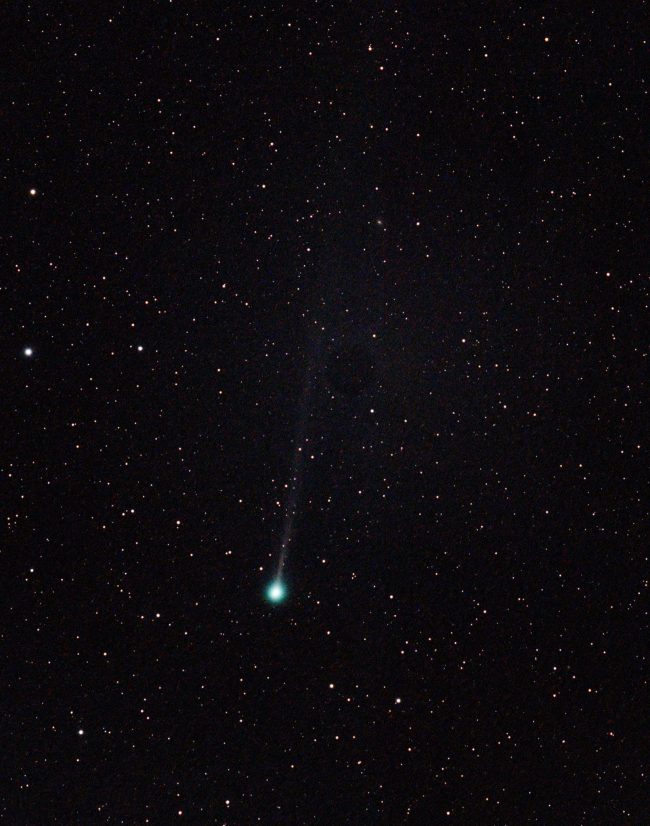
[435, 210]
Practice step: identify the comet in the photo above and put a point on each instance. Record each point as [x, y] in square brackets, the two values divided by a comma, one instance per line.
[276, 592]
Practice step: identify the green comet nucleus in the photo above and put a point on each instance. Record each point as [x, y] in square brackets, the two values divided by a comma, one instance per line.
[276, 591]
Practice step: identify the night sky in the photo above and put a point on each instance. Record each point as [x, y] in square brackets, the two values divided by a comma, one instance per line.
[355, 291]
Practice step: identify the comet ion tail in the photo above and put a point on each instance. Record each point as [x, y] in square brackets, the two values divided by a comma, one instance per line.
[276, 591]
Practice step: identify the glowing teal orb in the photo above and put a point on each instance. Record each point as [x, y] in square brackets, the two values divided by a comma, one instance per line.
[276, 591]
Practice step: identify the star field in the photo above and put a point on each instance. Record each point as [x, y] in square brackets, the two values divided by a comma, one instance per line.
[324, 476]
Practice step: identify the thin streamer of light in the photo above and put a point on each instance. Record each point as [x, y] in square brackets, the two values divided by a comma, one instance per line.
[295, 480]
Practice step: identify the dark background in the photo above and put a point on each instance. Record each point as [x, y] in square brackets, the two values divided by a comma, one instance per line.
[436, 209]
